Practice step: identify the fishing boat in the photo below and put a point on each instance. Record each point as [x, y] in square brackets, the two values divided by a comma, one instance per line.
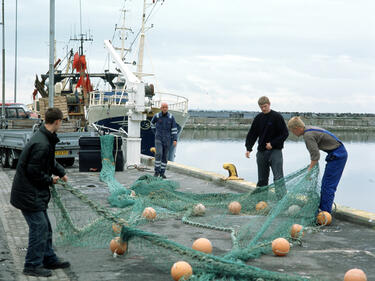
[111, 108]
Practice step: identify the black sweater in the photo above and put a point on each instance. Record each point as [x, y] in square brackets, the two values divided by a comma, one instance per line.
[268, 127]
[37, 163]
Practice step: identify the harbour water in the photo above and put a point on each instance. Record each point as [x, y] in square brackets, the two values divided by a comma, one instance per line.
[210, 149]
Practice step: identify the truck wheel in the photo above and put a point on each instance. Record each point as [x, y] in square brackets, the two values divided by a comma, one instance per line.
[12, 160]
[4, 158]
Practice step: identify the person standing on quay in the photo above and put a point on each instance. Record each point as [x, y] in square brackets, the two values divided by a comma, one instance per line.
[319, 139]
[165, 128]
[30, 193]
[270, 129]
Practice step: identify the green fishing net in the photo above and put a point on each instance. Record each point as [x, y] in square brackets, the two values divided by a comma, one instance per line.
[118, 211]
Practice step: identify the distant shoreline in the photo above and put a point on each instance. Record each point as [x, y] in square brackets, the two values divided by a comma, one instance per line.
[241, 120]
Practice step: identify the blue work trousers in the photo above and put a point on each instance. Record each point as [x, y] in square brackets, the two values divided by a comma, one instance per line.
[161, 157]
[271, 159]
[39, 250]
[336, 161]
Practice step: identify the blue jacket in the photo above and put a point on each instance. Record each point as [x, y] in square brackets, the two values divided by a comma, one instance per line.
[164, 127]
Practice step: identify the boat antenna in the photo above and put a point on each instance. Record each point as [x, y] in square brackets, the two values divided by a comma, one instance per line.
[123, 29]
[82, 37]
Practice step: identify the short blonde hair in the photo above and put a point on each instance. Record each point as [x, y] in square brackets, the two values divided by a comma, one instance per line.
[295, 122]
[263, 100]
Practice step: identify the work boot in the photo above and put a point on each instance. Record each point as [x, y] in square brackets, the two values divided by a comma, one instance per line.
[37, 271]
[163, 176]
[156, 174]
[57, 264]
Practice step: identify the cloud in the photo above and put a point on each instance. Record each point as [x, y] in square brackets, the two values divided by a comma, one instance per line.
[307, 56]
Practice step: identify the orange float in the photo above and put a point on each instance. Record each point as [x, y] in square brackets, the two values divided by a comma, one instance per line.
[324, 218]
[261, 205]
[181, 269]
[296, 231]
[234, 207]
[280, 246]
[149, 213]
[118, 247]
[203, 245]
[355, 274]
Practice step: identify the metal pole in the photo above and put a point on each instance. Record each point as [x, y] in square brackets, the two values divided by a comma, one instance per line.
[3, 86]
[15, 57]
[51, 87]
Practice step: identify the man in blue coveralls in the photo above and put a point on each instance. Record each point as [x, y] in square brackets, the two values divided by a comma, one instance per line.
[164, 126]
[319, 139]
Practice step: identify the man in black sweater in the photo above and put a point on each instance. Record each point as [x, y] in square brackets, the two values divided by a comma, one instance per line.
[270, 129]
[30, 193]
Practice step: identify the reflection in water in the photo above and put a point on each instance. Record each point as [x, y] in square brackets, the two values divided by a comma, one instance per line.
[345, 136]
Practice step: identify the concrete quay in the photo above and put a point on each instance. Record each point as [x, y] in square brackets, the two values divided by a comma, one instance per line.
[325, 255]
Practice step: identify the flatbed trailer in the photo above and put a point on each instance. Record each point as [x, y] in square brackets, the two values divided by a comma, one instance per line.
[12, 142]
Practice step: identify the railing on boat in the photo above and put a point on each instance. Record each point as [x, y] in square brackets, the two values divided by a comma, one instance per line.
[175, 102]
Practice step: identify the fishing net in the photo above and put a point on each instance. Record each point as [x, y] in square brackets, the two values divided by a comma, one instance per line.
[117, 212]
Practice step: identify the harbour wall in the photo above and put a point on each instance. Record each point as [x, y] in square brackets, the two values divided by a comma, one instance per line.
[238, 120]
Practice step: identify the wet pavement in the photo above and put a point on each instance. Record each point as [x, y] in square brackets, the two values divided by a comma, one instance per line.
[325, 255]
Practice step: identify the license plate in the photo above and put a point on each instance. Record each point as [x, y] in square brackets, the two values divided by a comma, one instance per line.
[61, 152]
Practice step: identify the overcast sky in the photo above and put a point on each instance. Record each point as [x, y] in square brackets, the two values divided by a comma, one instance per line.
[305, 55]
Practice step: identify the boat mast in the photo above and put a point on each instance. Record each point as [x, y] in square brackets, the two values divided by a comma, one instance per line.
[51, 78]
[123, 29]
[141, 44]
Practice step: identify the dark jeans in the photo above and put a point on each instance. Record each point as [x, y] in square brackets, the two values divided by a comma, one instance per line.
[39, 250]
[271, 159]
[161, 157]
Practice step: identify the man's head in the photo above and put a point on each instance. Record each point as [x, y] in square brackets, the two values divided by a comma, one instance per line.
[264, 104]
[164, 107]
[53, 119]
[296, 126]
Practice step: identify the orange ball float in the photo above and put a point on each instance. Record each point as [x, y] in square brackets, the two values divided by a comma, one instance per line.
[181, 269]
[355, 274]
[261, 205]
[118, 247]
[203, 245]
[149, 213]
[234, 207]
[324, 218]
[280, 246]
[296, 231]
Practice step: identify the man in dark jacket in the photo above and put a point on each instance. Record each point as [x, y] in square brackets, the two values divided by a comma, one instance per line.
[270, 129]
[165, 128]
[30, 193]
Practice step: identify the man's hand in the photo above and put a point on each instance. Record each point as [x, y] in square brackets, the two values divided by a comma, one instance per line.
[268, 146]
[247, 154]
[174, 143]
[55, 179]
[65, 178]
